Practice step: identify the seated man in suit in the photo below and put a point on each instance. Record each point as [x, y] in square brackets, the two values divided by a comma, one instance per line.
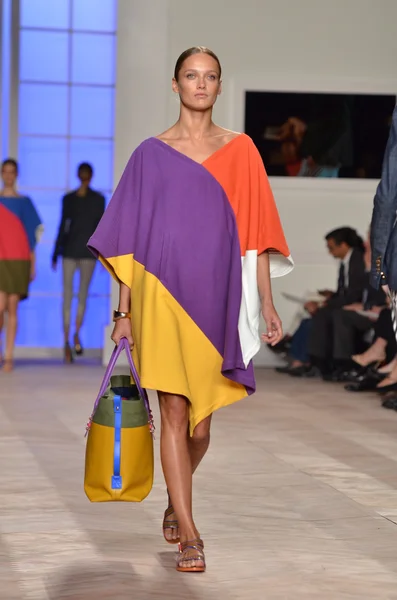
[311, 340]
[347, 246]
[356, 319]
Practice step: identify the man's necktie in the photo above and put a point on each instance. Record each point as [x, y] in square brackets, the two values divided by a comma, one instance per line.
[341, 280]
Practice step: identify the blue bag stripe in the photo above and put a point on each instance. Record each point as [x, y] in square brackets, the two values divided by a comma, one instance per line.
[116, 478]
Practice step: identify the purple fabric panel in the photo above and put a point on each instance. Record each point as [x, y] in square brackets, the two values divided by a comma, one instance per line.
[175, 218]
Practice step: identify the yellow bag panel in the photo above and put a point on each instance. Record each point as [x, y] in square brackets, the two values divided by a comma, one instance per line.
[136, 468]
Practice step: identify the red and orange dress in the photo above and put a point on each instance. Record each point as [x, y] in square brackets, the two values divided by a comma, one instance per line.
[20, 229]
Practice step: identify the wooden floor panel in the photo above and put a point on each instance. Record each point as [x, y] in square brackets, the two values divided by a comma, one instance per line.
[296, 500]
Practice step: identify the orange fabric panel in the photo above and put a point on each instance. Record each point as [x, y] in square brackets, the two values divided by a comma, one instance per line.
[241, 173]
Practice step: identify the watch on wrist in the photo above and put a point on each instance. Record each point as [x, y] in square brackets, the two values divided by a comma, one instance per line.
[118, 314]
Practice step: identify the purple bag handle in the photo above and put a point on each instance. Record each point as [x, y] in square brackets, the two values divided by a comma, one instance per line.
[123, 345]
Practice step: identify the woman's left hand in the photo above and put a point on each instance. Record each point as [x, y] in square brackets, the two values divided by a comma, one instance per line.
[274, 328]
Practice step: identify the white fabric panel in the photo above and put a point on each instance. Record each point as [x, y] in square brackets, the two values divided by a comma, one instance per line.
[250, 309]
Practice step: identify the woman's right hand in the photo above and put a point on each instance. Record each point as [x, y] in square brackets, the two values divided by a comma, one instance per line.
[122, 328]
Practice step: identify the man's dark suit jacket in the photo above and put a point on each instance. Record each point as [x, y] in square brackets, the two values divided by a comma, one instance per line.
[356, 283]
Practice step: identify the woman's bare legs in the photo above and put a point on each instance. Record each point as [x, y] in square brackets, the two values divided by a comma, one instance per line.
[389, 367]
[180, 456]
[375, 353]
[390, 379]
[197, 447]
[12, 322]
[199, 442]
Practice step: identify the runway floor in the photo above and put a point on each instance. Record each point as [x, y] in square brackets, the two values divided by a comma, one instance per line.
[297, 498]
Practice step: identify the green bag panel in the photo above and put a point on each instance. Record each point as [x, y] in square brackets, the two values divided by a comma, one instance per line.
[133, 412]
[121, 384]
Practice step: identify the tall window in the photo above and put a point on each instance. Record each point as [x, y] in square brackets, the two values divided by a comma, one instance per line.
[65, 116]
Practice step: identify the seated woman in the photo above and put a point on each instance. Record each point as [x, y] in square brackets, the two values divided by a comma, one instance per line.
[383, 352]
[383, 348]
[389, 383]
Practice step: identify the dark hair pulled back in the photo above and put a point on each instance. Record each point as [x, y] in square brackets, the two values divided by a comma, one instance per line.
[347, 235]
[190, 52]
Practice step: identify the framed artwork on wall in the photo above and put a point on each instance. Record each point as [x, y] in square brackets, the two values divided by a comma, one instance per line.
[319, 134]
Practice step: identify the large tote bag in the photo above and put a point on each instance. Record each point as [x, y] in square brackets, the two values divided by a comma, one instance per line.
[119, 450]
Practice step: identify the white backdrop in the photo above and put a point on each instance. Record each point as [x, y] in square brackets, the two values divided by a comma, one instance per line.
[310, 45]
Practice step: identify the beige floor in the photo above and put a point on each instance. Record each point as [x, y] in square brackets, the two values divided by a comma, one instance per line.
[297, 499]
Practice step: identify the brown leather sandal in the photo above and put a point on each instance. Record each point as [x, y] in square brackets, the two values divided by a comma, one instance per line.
[170, 524]
[196, 550]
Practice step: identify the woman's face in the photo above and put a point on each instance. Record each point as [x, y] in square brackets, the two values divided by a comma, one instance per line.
[9, 175]
[198, 82]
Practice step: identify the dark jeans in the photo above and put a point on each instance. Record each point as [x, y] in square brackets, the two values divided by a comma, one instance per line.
[299, 342]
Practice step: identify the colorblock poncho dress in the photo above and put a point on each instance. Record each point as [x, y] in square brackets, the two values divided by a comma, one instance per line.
[185, 237]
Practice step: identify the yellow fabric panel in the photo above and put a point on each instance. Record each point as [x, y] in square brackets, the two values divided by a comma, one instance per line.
[121, 268]
[136, 467]
[171, 353]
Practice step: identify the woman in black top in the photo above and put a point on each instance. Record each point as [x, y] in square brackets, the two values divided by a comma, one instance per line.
[81, 212]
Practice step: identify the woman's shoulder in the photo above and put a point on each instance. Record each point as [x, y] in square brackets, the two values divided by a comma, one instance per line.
[26, 201]
[23, 199]
[143, 147]
[228, 134]
[219, 132]
[20, 204]
[231, 134]
[167, 137]
[242, 143]
[245, 143]
[19, 197]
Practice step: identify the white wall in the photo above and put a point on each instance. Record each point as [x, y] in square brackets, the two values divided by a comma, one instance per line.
[310, 45]
[141, 90]
[352, 38]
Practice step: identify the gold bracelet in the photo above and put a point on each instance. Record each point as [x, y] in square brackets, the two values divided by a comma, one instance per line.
[118, 314]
